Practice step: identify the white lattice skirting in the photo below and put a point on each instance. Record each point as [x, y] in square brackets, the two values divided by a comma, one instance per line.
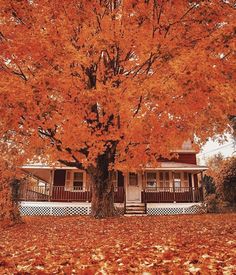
[174, 208]
[72, 208]
[54, 209]
[31, 208]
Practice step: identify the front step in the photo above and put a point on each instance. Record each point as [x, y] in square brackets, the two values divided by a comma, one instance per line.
[135, 209]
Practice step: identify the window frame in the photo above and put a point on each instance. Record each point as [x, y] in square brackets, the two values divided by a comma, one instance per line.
[156, 180]
[69, 181]
[79, 181]
[136, 176]
[165, 182]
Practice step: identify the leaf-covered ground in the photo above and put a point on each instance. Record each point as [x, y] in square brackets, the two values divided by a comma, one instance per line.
[190, 244]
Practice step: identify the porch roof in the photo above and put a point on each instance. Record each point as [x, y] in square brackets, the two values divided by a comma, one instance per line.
[46, 166]
[178, 166]
[42, 171]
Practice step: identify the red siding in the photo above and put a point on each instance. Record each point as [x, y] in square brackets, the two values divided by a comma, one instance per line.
[183, 158]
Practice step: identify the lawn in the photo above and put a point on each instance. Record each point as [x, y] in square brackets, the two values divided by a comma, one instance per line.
[190, 244]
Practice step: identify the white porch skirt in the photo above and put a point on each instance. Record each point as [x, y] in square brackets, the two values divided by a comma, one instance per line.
[31, 208]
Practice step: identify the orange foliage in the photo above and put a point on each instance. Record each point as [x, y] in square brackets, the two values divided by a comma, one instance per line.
[197, 244]
[81, 77]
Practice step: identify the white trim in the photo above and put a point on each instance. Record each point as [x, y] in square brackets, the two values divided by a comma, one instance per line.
[185, 151]
[173, 205]
[54, 204]
[200, 168]
[32, 166]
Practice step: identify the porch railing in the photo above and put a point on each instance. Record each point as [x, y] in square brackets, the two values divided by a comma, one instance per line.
[59, 194]
[171, 194]
[155, 195]
[34, 193]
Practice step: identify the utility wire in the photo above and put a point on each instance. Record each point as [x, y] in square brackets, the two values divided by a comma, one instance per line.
[217, 149]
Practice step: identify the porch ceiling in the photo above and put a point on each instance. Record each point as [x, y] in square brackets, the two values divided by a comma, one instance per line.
[41, 174]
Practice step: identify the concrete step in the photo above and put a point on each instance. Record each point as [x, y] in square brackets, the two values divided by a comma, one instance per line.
[135, 214]
[135, 205]
[135, 209]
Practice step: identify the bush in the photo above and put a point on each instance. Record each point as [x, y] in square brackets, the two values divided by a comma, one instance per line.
[213, 204]
[209, 185]
[226, 181]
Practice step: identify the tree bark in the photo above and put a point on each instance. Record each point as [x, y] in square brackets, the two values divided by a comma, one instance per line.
[102, 189]
[9, 211]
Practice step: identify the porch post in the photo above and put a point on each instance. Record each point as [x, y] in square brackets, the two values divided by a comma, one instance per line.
[173, 184]
[193, 187]
[51, 183]
[202, 186]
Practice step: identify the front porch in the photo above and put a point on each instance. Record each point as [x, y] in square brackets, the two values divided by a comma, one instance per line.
[63, 188]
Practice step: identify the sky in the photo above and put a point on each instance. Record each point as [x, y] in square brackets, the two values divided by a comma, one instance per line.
[211, 148]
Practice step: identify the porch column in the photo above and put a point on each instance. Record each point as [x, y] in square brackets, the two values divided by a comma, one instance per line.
[51, 184]
[193, 187]
[202, 186]
[173, 184]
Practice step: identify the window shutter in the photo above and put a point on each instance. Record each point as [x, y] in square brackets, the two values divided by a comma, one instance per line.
[69, 180]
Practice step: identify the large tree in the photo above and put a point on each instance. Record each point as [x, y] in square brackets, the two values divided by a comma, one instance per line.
[113, 84]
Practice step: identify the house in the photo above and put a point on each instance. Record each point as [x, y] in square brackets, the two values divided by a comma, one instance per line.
[172, 188]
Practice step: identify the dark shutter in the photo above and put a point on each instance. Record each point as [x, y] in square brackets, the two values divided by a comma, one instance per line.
[120, 179]
[59, 177]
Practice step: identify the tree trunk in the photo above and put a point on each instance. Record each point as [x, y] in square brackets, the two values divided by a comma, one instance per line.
[102, 189]
[9, 211]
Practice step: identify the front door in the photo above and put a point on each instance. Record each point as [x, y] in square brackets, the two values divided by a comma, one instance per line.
[133, 188]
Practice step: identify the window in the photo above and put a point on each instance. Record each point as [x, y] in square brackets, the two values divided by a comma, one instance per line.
[78, 181]
[185, 180]
[177, 180]
[133, 179]
[151, 180]
[164, 180]
[74, 181]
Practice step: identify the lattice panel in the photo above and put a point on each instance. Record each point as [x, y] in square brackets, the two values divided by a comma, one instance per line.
[195, 209]
[77, 211]
[175, 210]
[58, 211]
[35, 211]
[120, 210]
[54, 210]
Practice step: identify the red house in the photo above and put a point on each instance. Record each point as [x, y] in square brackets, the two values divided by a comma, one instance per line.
[174, 187]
